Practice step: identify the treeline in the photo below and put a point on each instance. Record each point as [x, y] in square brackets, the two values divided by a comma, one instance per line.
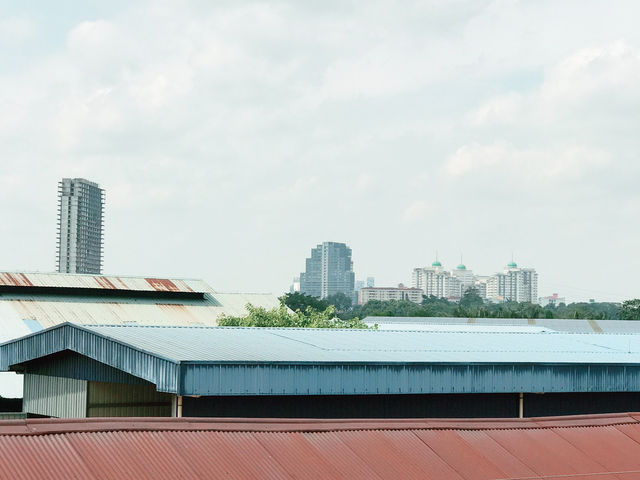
[470, 306]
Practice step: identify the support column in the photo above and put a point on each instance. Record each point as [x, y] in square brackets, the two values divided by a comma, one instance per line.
[179, 406]
[521, 405]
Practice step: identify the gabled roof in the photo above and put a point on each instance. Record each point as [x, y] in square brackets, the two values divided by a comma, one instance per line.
[243, 361]
[590, 446]
[32, 301]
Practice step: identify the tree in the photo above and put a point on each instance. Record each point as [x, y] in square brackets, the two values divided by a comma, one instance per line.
[299, 301]
[630, 309]
[339, 300]
[283, 317]
[470, 298]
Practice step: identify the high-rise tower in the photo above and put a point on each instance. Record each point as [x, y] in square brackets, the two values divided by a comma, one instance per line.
[80, 208]
[329, 270]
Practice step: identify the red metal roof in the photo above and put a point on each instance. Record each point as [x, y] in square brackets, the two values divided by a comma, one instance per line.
[581, 447]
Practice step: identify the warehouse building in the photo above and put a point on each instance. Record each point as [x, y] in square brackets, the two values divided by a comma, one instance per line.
[555, 324]
[590, 447]
[84, 371]
[30, 302]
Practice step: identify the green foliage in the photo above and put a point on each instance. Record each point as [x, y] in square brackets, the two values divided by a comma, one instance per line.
[630, 310]
[283, 317]
[472, 306]
[299, 301]
[471, 299]
[339, 300]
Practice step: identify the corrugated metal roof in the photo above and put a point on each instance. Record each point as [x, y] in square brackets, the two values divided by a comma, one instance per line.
[266, 361]
[581, 447]
[103, 282]
[25, 309]
[571, 325]
[229, 344]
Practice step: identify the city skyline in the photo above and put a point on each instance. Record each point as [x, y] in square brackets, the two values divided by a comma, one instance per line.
[479, 127]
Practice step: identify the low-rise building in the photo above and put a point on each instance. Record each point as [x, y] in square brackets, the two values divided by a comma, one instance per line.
[552, 300]
[400, 292]
[117, 370]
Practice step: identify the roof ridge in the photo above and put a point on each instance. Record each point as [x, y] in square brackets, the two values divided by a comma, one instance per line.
[32, 427]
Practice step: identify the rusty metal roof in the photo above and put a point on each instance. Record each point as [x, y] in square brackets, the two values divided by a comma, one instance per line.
[578, 447]
[102, 282]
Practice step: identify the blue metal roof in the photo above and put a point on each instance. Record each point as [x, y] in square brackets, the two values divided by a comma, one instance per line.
[229, 344]
[263, 361]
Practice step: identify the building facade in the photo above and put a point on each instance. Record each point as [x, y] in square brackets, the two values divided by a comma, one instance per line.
[514, 284]
[329, 270]
[435, 281]
[80, 226]
[400, 292]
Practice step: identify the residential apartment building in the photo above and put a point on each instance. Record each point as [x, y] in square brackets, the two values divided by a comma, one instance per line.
[514, 284]
[329, 270]
[400, 292]
[80, 226]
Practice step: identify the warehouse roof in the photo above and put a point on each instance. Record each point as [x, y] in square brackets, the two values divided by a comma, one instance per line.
[235, 344]
[557, 324]
[30, 302]
[596, 446]
[240, 361]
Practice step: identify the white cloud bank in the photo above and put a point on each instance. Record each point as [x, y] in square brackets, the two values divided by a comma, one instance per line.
[231, 138]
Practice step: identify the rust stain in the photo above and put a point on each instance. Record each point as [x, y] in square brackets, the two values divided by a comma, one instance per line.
[594, 325]
[18, 280]
[104, 282]
[162, 285]
[26, 281]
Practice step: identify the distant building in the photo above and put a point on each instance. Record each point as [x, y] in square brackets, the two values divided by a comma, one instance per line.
[295, 286]
[514, 284]
[435, 281]
[389, 293]
[80, 209]
[551, 300]
[329, 270]
[371, 282]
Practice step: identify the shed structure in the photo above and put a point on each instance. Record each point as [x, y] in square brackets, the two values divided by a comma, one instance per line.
[92, 370]
[30, 302]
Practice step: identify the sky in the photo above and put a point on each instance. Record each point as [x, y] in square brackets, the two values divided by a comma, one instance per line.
[232, 137]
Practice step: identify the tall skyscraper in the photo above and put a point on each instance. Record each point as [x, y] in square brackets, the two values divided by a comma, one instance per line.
[80, 208]
[329, 270]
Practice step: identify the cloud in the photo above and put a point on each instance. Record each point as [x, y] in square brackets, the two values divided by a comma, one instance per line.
[261, 129]
[417, 211]
[561, 163]
[15, 30]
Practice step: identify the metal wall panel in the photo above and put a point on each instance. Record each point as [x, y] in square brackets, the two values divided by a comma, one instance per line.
[121, 400]
[55, 396]
[313, 379]
[73, 365]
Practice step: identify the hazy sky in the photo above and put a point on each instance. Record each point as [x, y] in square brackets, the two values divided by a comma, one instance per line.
[232, 137]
